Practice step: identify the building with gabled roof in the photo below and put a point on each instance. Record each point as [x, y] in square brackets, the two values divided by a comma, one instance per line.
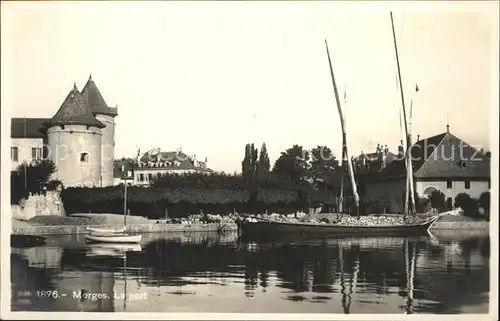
[28, 138]
[79, 139]
[442, 162]
[157, 162]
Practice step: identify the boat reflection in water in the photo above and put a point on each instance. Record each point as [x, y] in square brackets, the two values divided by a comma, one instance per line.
[202, 272]
[112, 249]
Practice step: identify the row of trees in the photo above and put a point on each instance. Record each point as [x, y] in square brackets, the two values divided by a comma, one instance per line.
[468, 204]
[314, 171]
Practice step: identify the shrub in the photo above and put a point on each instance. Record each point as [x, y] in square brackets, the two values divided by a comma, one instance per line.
[484, 202]
[179, 202]
[30, 178]
[437, 200]
[468, 204]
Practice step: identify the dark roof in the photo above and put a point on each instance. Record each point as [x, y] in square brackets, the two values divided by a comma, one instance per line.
[164, 156]
[184, 160]
[441, 156]
[95, 101]
[372, 163]
[74, 111]
[34, 127]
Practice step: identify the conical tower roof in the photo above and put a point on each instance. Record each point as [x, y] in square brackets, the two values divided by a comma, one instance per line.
[74, 111]
[95, 101]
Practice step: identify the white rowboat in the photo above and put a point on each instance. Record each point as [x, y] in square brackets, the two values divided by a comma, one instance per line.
[114, 238]
[106, 230]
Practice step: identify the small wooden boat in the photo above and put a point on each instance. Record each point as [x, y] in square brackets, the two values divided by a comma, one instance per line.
[266, 228]
[106, 230]
[119, 235]
[113, 238]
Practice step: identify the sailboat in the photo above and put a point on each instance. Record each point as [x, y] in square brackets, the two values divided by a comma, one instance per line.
[119, 235]
[418, 225]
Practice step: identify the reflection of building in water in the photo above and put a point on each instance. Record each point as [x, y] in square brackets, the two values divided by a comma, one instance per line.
[84, 284]
[49, 257]
[40, 268]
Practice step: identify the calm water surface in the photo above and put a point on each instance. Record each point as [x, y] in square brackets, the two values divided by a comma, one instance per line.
[202, 272]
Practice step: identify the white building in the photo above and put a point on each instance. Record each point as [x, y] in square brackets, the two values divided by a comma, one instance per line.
[156, 162]
[442, 162]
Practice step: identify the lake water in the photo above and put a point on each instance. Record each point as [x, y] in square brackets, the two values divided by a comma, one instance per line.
[203, 272]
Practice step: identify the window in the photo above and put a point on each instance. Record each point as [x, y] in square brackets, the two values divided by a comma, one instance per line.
[489, 184]
[84, 157]
[14, 153]
[448, 184]
[141, 177]
[467, 184]
[150, 177]
[36, 153]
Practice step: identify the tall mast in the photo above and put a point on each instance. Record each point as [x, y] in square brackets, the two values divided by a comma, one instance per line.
[344, 162]
[344, 136]
[411, 184]
[409, 169]
[25, 162]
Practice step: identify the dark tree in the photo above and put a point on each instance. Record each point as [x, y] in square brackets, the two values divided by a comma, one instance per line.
[484, 202]
[30, 178]
[437, 200]
[264, 162]
[467, 204]
[246, 164]
[324, 166]
[294, 163]
[254, 160]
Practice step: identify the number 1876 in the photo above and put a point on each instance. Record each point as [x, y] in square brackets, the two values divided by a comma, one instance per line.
[41, 294]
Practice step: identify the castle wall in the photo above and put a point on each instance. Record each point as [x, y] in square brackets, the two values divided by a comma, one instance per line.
[107, 150]
[67, 146]
[39, 204]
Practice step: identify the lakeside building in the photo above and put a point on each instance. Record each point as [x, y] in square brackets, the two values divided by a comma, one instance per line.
[79, 139]
[142, 170]
[442, 162]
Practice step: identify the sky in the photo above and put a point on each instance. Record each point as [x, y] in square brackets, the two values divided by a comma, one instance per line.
[210, 77]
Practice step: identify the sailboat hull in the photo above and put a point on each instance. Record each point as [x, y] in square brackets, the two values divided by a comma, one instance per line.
[263, 228]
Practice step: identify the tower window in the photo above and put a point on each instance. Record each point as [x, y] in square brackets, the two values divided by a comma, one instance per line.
[14, 153]
[448, 184]
[467, 184]
[84, 157]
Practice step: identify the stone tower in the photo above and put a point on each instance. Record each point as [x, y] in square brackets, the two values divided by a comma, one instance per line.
[106, 115]
[74, 142]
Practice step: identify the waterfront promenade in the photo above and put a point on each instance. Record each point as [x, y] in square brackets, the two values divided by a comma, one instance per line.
[448, 224]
